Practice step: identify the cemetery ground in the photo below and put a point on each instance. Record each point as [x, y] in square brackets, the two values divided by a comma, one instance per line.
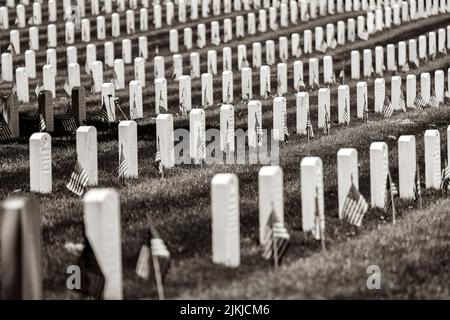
[411, 254]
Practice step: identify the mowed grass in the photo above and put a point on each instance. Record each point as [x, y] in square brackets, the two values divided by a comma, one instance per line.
[412, 255]
[180, 207]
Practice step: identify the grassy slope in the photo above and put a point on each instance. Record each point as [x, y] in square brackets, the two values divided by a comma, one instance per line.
[180, 206]
[413, 257]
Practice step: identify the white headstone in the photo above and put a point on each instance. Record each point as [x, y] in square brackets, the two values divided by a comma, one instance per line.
[128, 148]
[86, 139]
[379, 166]
[225, 220]
[164, 132]
[41, 163]
[270, 190]
[406, 166]
[347, 167]
[302, 101]
[311, 170]
[197, 135]
[160, 95]
[102, 228]
[432, 142]
[136, 111]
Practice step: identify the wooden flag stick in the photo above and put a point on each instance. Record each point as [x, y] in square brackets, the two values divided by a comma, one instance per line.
[275, 252]
[158, 277]
[392, 199]
[118, 107]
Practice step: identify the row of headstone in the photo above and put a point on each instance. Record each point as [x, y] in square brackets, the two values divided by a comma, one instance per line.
[225, 190]
[86, 147]
[408, 53]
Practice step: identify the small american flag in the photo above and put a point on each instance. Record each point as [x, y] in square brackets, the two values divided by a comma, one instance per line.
[301, 85]
[419, 102]
[366, 110]
[258, 132]
[92, 277]
[69, 123]
[364, 35]
[162, 105]
[5, 132]
[78, 179]
[199, 155]
[327, 124]
[323, 46]
[158, 163]
[268, 93]
[346, 115]
[154, 259]
[12, 49]
[123, 165]
[276, 238]
[401, 102]
[309, 128]
[285, 126]
[433, 101]
[205, 100]
[417, 188]
[67, 87]
[342, 76]
[133, 109]
[230, 136]
[391, 192]
[42, 125]
[103, 112]
[355, 206]
[445, 181]
[387, 107]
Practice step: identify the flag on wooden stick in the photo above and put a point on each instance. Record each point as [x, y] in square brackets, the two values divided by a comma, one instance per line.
[92, 278]
[276, 239]
[355, 206]
[5, 131]
[154, 259]
[387, 107]
[417, 188]
[445, 180]
[78, 180]
[309, 128]
[158, 163]
[123, 165]
[390, 194]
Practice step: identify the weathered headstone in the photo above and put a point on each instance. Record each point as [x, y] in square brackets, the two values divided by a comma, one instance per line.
[22, 85]
[139, 70]
[280, 119]
[264, 81]
[355, 67]
[323, 106]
